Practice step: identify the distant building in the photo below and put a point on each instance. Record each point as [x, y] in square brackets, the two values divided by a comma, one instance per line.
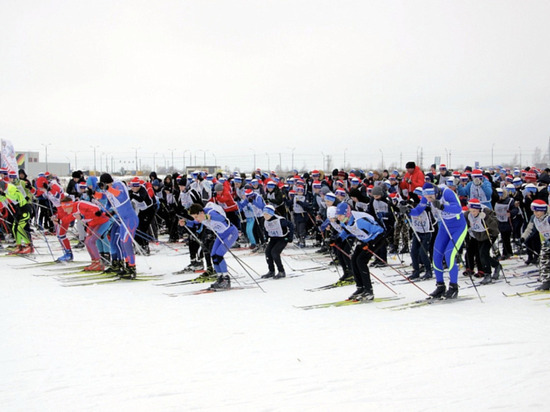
[30, 162]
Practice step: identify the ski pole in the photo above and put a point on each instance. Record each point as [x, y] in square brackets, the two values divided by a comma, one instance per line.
[372, 274]
[238, 260]
[459, 256]
[398, 272]
[496, 252]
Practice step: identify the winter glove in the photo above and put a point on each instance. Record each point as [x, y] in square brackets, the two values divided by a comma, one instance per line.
[437, 204]
[45, 186]
[405, 209]
[101, 185]
[366, 248]
[28, 186]
[98, 213]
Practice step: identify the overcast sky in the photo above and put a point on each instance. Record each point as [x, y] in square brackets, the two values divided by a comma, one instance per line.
[230, 80]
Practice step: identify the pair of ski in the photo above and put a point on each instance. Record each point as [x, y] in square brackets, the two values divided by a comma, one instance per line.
[202, 278]
[347, 302]
[209, 290]
[427, 302]
[50, 263]
[105, 278]
[336, 284]
[529, 293]
[288, 275]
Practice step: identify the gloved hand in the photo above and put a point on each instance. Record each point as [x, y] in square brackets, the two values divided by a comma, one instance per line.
[482, 215]
[98, 213]
[437, 204]
[28, 186]
[366, 248]
[405, 208]
[45, 186]
[522, 240]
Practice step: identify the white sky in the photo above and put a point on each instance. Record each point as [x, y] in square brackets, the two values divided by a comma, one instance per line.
[360, 79]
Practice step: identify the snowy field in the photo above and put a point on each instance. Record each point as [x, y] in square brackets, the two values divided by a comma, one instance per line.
[129, 346]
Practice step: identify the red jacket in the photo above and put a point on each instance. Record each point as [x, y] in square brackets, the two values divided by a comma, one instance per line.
[88, 211]
[225, 198]
[412, 180]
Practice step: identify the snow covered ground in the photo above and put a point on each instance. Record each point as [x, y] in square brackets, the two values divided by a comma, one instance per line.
[128, 346]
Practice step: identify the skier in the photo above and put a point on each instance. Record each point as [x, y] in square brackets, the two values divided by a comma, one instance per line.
[212, 216]
[382, 209]
[450, 236]
[97, 223]
[540, 223]
[370, 238]
[506, 211]
[20, 210]
[422, 226]
[280, 232]
[483, 232]
[145, 211]
[124, 227]
[479, 188]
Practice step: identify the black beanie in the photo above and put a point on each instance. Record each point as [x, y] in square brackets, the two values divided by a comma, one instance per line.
[105, 178]
[410, 165]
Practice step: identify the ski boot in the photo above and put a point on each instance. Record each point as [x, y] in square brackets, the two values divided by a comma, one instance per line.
[496, 273]
[268, 275]
[452, 292]
[486, 279]
[67, 256]
[96, 266]
[322, 250]
[545, 285]
[415, 275]
[129, 272]
[15, 251]
[79, 245]
[115, 266]
[279, 275]
[439, 291]
[208, 275]
[427, 276]
[357, 293]
[25, 250]
[346, 276]
[366, 295]
[223, 282]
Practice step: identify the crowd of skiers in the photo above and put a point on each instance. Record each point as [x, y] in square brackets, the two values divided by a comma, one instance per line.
[440, 217]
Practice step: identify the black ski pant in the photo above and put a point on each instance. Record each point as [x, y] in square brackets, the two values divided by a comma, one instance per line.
[360, 261]
[145, 218]
[420, 252]
[342, 253]
[273, 253]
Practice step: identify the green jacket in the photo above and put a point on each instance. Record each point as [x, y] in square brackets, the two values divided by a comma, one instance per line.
[14, 196]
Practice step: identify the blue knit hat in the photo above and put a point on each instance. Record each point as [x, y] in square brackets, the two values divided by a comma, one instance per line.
[342, 209]
[270, 210]
[428, 189]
